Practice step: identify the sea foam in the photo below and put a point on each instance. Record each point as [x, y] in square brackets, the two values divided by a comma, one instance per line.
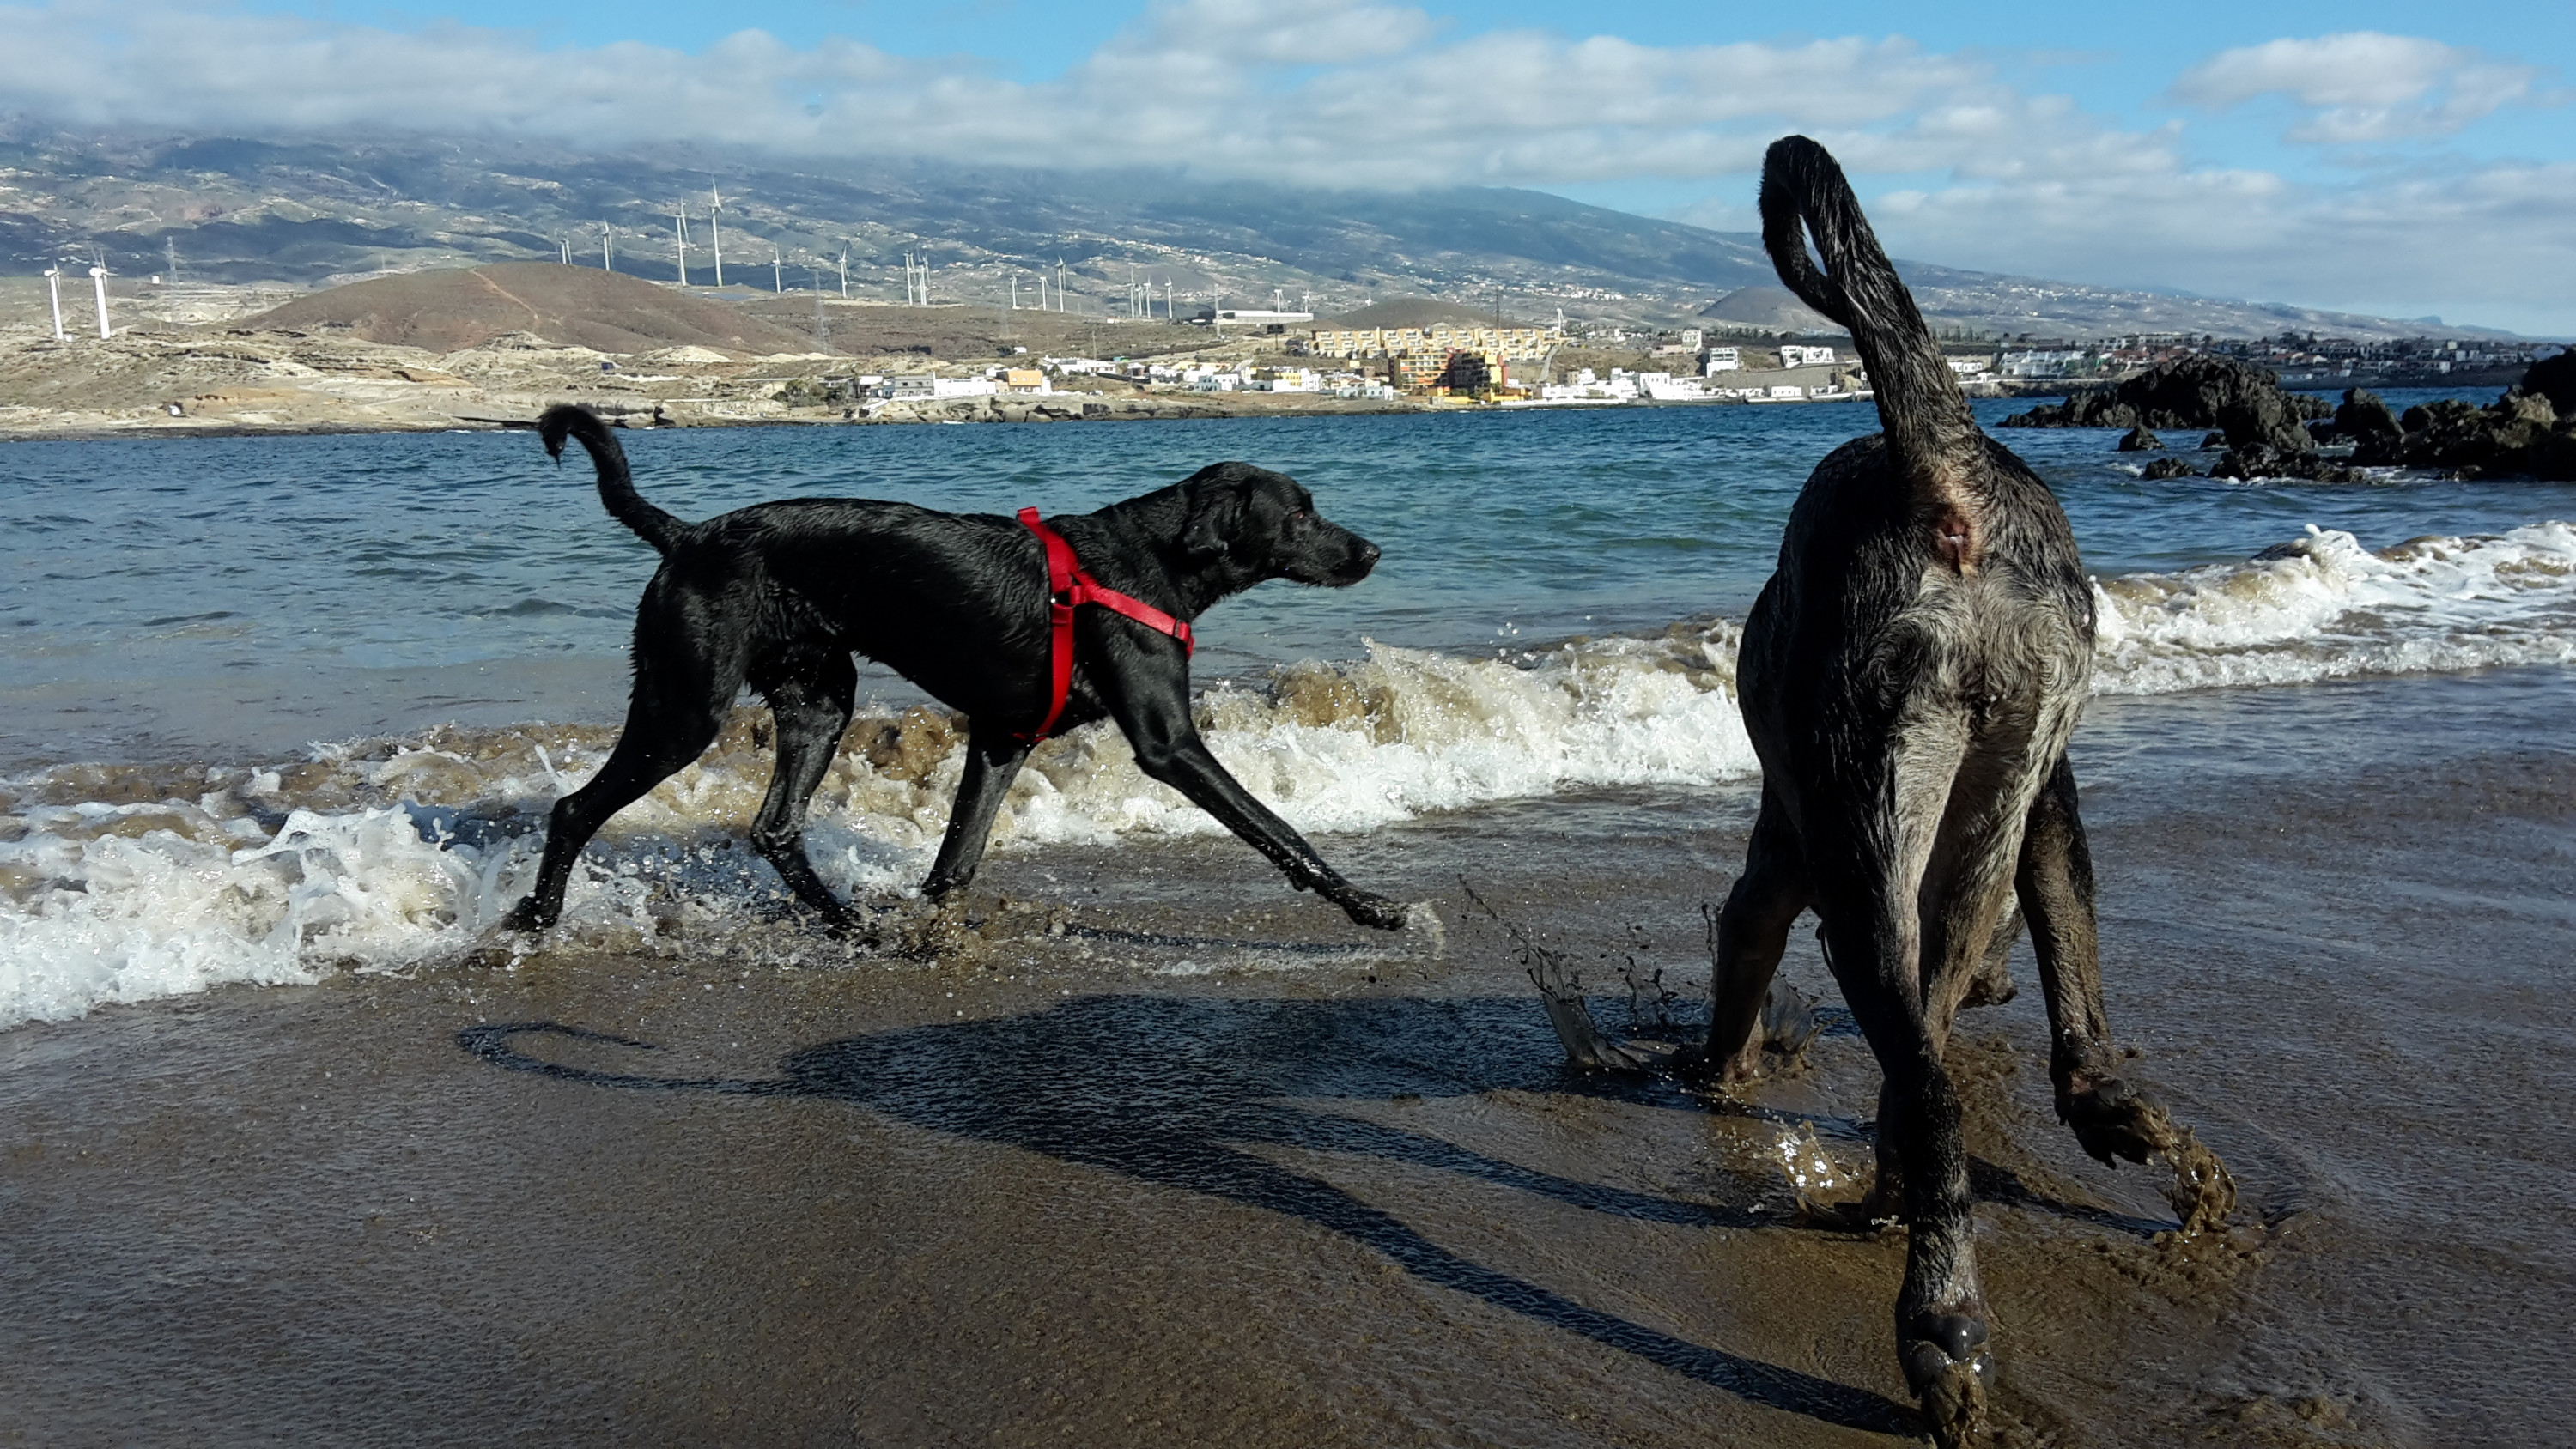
[126, 883]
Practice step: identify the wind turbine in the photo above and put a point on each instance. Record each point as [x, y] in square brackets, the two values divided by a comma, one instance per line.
[777, 271]
[54, 284]
[680, 225]
[607, 256]
[845, 274]
[715, 237]
[98, 279]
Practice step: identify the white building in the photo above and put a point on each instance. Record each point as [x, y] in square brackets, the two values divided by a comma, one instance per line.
[1254, 317]
[1794, 355]
[1720, 359]
[2044, 364]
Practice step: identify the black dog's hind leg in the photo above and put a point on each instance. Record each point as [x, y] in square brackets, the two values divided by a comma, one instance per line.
[678, 705]
[1751, 933]
[993, 761]
[1169, 750]
[2054, 881]
[810, 692]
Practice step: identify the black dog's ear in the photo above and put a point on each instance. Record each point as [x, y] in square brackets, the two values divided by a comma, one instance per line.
[1210, 531]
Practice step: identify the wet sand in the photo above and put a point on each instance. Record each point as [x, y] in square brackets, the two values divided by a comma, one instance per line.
[1168, 1155]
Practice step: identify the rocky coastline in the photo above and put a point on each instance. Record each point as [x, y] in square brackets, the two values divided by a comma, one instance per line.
[2267, 431]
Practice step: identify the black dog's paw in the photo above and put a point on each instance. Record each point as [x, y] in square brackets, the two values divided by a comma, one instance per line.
[527, 915]
[1373, 911]
[2113, 1120]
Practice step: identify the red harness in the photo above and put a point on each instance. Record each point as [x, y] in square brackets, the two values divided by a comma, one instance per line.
[1070, 586]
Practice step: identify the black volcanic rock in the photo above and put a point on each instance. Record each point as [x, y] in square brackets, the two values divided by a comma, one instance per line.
[2213, 439]
[2262, 460]
[2518, 435]
[2555, 379]
[2139, 440]
[2244, 402]
[2363, 417]
[2159, 469]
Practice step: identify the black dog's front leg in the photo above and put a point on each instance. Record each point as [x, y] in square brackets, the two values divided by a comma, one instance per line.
[1169, 750]
[993, 760]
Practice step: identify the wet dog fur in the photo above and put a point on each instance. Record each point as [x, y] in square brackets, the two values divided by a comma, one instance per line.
[1910, 676]
[780, 595]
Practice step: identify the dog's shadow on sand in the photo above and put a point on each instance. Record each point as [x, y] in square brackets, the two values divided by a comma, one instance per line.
[1186, 1093]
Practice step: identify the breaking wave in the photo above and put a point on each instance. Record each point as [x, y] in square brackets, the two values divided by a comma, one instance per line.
[126, 883]
[2324, 607]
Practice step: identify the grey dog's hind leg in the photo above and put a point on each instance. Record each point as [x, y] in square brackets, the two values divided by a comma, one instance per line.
[1752, 932]
[2111, 1118]
[2055, 884]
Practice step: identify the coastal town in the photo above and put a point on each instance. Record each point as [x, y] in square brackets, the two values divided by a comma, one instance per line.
[432, 349]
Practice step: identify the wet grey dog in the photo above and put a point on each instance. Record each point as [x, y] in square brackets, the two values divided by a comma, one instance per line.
[1910, 676]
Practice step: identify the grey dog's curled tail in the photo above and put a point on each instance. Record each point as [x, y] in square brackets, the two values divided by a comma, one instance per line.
[1929, 427]
[616, 485]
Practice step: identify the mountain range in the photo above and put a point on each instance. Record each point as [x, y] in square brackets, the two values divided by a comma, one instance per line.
[313, 213]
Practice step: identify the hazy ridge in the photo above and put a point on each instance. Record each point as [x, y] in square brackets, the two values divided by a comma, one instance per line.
[238, 210]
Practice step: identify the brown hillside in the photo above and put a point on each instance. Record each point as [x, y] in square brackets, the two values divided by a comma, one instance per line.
[445, 311]
[1422, 312]
[1768, 309]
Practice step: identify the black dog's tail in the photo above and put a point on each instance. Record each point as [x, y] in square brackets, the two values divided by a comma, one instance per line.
[1929, 427]
[616, 485]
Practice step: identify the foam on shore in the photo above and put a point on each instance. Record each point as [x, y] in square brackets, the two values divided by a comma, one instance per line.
[132, 882]
[2324, 607]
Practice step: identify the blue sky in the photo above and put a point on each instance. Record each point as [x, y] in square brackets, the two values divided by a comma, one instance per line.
[2402, 160]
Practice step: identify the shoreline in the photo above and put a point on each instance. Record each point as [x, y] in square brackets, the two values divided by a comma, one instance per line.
[1158, 1151]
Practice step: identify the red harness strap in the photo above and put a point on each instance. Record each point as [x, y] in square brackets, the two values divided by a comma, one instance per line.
[1069, 586]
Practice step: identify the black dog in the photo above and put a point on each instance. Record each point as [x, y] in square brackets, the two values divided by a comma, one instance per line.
[1910, 677]
[780, 595]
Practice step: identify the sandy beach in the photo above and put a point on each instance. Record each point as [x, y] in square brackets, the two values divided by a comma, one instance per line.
[1157, 1154]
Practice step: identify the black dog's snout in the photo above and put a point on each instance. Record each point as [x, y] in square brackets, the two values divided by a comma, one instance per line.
[1368, 554]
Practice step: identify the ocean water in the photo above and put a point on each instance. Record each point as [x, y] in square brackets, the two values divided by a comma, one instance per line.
[272, 708]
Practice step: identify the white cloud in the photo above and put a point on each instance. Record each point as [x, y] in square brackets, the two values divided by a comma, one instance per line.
[1367, 93]
[2491, 240]
[2361, 86]
[1333, 92]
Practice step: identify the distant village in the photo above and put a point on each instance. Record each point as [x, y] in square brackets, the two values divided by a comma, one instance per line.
[1527, 366]
[434, 349]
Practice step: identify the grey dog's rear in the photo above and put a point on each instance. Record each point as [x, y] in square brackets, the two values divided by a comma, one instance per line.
[1910, 676]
